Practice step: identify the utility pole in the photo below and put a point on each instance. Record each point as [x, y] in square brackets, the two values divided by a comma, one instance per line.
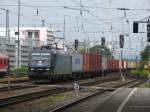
[125, 15]
[129, 34]
[81, 9]
[103, 54]
[7, 37]
[121, 39]
[43, 23]
[64, 33]
[18, 61]
[7, 25]
[124, 9]
[81, 6]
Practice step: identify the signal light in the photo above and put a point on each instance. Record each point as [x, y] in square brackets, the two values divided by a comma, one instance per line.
[148, 32]
[103, 42]
[76, 44]
[135, 27]
[121, 41]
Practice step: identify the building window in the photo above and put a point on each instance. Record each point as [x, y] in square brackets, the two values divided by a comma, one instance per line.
[36, 35]
[16, 33]
[30, 34]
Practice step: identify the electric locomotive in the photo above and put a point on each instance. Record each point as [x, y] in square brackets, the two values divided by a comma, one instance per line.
[49, 63]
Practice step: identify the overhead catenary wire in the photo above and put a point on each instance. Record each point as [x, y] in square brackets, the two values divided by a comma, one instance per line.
[23, 4]
[44, 6]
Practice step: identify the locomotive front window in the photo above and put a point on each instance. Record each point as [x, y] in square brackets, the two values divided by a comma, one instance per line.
[45, 56]
[36, 56]
[40, 56]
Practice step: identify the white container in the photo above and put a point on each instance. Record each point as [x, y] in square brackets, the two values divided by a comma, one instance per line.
[77, 62]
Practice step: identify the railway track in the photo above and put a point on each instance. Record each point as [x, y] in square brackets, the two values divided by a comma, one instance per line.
[13, 88]
[34, 95]
[24, 85]
[26, 97]
[15, 81]
[70, 104]
[31, 96]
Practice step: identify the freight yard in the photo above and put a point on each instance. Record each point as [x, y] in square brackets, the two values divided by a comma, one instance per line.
[74, 56]
[58, 96]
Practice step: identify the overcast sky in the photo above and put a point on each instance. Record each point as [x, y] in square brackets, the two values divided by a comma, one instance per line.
[97, 19]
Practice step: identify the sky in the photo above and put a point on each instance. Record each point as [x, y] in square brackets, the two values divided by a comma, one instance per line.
[100, 18]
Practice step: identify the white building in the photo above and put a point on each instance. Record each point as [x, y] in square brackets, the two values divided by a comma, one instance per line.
[31, 35]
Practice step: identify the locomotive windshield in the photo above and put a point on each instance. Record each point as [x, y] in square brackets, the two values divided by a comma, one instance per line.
[40, 56]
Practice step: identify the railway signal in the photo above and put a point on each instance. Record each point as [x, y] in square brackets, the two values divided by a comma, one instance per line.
[148, 32]
[135, 27]
[103, 42]
[76, 44]
[121, 41]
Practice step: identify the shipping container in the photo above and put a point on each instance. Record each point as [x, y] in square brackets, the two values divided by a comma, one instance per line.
[104, 63]
[95, 63]
[86, 62]
[77, 62]
[113, 65]
[63, 64]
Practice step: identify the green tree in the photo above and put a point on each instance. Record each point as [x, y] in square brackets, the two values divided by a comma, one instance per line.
[99, 50]
[145, 57]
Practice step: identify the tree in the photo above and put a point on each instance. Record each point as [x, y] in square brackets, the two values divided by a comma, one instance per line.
[145, 55]
[99, 50]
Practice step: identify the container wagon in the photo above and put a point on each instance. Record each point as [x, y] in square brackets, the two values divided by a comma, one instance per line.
[113, 65]
[77, 68]
[86, 64]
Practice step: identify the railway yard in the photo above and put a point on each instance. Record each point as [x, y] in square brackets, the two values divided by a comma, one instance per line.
[61, 96]
[74, 56]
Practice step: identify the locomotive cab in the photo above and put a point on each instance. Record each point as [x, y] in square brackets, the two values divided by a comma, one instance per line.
[40, 63]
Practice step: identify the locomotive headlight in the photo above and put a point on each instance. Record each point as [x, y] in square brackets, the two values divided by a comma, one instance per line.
[32, 68]
[47, 69]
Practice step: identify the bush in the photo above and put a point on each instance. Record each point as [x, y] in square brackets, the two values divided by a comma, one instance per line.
[141, 73]
[19, 72]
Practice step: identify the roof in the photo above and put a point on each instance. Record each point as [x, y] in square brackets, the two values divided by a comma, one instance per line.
[3, 56]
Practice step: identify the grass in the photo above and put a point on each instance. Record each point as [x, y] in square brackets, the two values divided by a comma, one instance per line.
[19, 72]
[145, 85]
[13, 79]
[142, 73]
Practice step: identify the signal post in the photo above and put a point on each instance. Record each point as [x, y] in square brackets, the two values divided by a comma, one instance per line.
[103, 53]
[121, 43]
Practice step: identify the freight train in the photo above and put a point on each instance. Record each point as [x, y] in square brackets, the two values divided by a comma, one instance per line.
[4, 65]
[48, 63]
